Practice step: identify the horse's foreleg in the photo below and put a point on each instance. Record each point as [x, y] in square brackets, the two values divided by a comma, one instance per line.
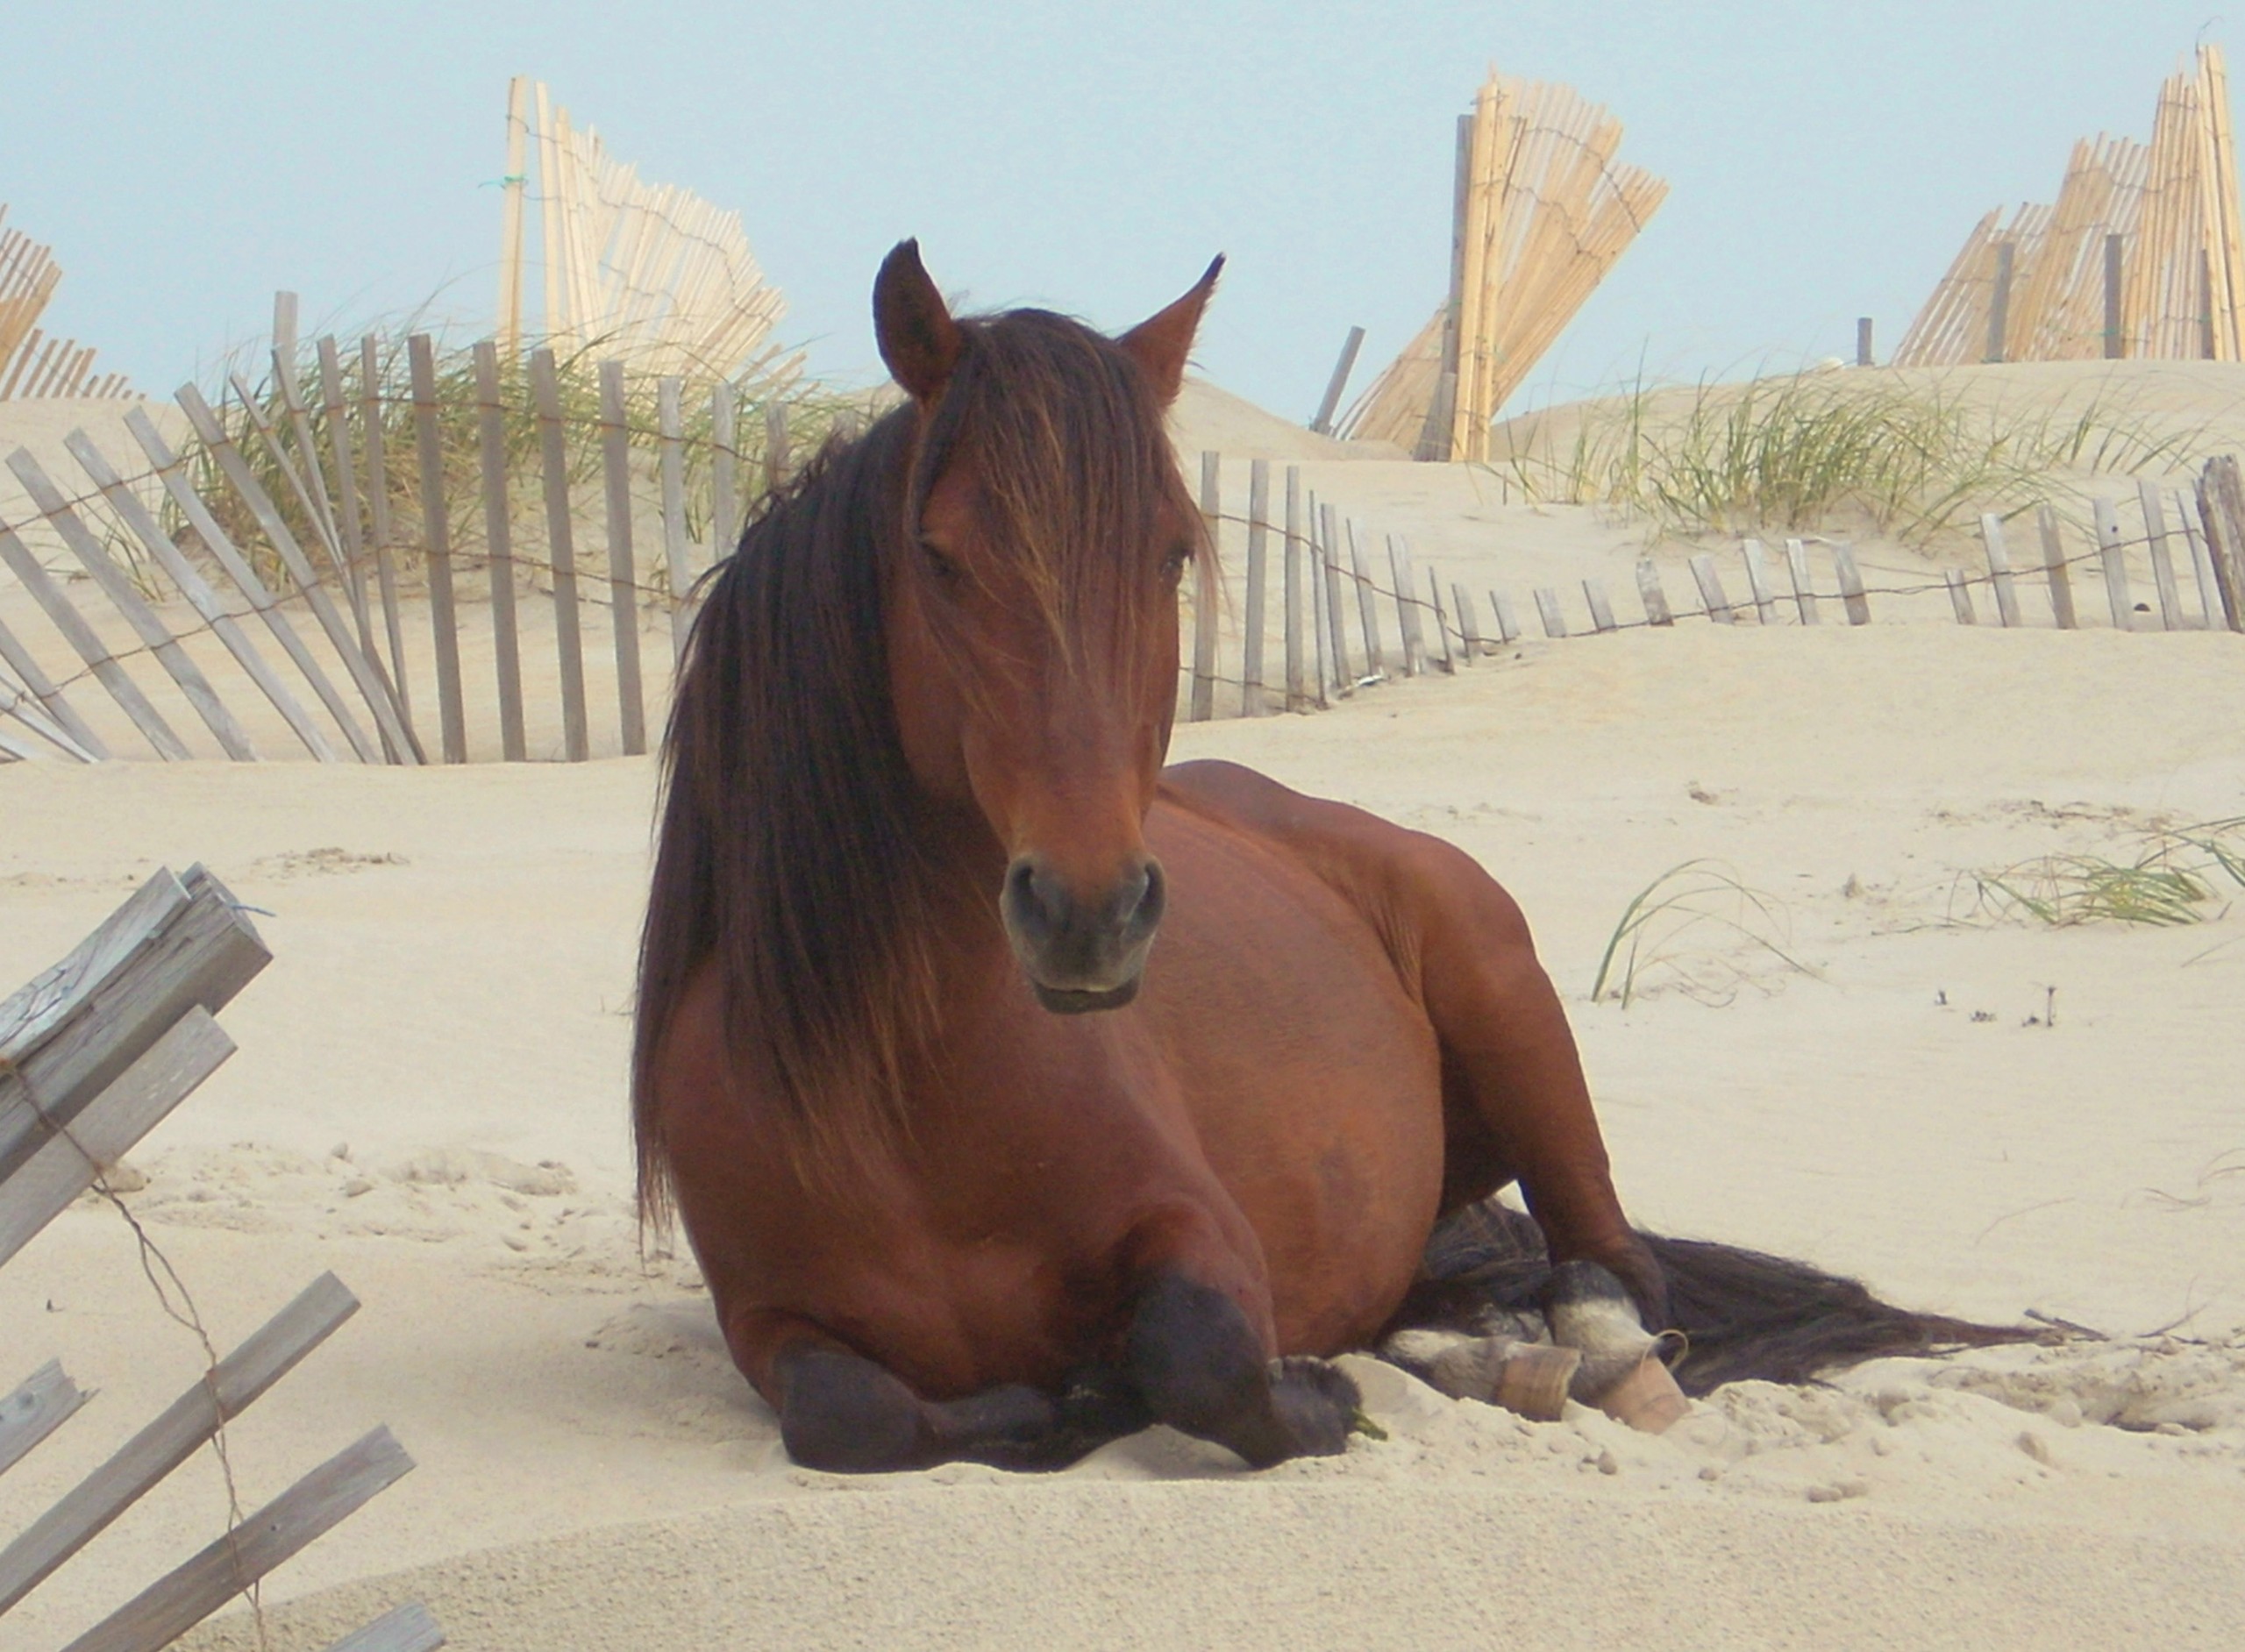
[1199, 1365]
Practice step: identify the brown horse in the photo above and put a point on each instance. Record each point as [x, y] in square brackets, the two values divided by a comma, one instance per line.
[975, 1168]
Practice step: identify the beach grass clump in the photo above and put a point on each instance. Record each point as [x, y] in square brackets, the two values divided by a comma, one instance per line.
[1685, 927]
[1913, 460]
[2173, 878]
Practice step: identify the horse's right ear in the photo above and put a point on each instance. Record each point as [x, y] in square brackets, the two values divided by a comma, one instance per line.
[919, 341]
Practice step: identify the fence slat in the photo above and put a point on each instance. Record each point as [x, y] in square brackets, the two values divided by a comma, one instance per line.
[436, 548]
[1757, 580]
[670, 435]
[1469, 631]
[2201, 565]
[561, 550]
[1804, 588]
[406, 1628]
[95, 559]
[1851, 592]
[724, 472]
[1312, 559]
[499, 545]
[1367, 608]
[622, 566]
[370, 420]
[2109, 553]
[1508, 622]
[1651, 595]
[2221, 514]
[1547, 609]
[2054, 568]
[776, 455]
[372, 686]
[1296, 698]
[1408, 617]
[45, 690]
[15, 702]
[65, 1165]
[1999, 569]
[176, 1603]
[1345, 680]
[171, 470]
[345, 497]
[1442, 623]
[2162, 564]
[1960, 597]
[184, 1426]
[191, 584]
[1712, 599]
[1601, 610]
[286, 464]
[1203, 705]
[91, 648]
[42, 1403]
[1258, 510]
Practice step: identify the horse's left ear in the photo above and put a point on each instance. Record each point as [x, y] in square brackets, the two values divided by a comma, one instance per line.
[1160, 342]
[919, 341]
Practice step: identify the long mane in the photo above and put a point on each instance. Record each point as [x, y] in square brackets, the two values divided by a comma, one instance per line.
[786, 852]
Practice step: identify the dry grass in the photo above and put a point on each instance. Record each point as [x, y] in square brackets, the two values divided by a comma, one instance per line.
[2173, 879]
[1681, 929]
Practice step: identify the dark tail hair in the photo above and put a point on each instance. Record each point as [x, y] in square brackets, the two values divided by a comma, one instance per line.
[1744, 1314]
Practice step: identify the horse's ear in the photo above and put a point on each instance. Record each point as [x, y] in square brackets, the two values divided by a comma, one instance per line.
[919, 341]
[1160, 342]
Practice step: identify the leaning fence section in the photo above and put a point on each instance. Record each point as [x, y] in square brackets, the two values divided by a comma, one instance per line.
[476, 556]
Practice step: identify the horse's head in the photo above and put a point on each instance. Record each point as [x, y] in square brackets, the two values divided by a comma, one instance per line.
[1031, 609]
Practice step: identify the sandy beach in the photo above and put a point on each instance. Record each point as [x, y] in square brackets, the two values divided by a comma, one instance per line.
[1890, 1076]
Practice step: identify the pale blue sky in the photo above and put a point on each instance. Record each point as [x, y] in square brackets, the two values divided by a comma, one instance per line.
[1825, 162]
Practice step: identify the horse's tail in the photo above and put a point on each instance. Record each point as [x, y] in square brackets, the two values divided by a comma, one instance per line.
[1744, 1314]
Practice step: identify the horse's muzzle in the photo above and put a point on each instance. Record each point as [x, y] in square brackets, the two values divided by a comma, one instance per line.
[1081, 954]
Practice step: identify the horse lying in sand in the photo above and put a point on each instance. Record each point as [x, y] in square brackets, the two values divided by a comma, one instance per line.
[974, 1168]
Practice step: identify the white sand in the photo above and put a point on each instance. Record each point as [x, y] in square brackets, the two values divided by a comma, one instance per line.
[448, 1005]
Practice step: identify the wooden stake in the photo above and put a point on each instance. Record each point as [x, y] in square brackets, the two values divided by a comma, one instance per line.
[1367, 610]
[561, 552]
[499, 547]
[2054, 568]
[1344, 679]
[1649, 592]
[1259, 510]
[2201, 568]
[2110, 554]
[1711, 593]
[1322, 424]
[370, 414]
[1547, 609]
[1601, 610]
[1804, 589]
[670, 435]
[622, 566]
[1851, 591]
[1960, 598]
[1999, 569]
[1296, 698]
[1757, 580]
[2163, 564]
[451, 706]
[1508, 622]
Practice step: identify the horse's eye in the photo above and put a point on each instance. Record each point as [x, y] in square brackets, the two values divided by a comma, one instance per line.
[939, 564]
[1172, 565]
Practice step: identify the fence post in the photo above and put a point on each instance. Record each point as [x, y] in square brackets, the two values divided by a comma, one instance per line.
[1650, 593]
[1441, 625]
[1960, 597]
[452, 710]
[1204, 591]
[2000, 568]
[1406, 607]
[1296, 700]
[622, 564]
[2054, 568]
[1259, 507]
[2113, 340]
[1313, 558]
[1710, 592]
[561, 550]
[1508, 622]
[499, 540]
[1367, 610]
[1601, 610]
[1547, 609]
[2116, 571]
[1330, 526]
[1757, 580]
[2163, 564]
[2221, 512]
[1804, 588]
[1469, 633]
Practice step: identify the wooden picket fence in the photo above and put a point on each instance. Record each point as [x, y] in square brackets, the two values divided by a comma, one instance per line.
[94, 1054]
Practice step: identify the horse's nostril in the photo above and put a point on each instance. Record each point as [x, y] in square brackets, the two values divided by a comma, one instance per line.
[1144, 909]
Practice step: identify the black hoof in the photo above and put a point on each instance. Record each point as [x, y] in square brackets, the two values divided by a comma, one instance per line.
[846, 1415]
[1317, 1402]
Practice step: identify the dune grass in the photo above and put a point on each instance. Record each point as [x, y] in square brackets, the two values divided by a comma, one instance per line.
[813, 412]
[1677, 928]
[2173, 879]
[1797, 453]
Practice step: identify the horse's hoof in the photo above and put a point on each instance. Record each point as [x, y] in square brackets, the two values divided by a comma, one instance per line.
[1648, 1398]
[1534, 1378]
[1317, 1402]
[1588, 1308]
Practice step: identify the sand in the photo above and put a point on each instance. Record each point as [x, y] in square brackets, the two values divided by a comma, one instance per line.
[428, 1100]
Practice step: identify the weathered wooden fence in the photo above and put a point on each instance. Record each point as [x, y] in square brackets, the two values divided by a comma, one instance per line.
[94, 1054]
[495, 590]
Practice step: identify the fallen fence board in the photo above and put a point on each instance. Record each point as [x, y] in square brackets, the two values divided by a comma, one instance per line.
[406, 1628]
[42, 1403]
[176, 943]
[41, 1187]
[176, 1603]
[185, 1426]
